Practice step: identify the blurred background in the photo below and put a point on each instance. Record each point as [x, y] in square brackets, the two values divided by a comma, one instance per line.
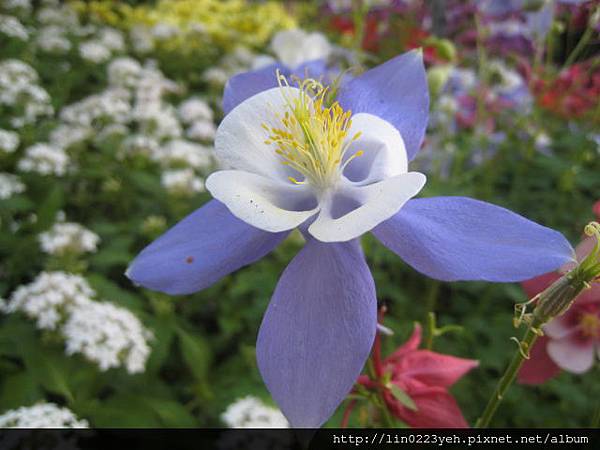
[108, 111]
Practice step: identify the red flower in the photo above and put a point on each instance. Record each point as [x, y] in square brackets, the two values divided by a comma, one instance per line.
[425, 377]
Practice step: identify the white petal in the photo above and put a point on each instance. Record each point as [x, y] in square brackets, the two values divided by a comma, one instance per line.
[368, 206]
[384, 152]
[267, 204]
[240, 139]
[571, 355]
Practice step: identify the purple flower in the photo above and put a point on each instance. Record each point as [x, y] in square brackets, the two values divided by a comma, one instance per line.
[539, 14]
[336, 172]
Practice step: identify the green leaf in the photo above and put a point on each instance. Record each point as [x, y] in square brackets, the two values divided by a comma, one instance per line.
[50, 371]
[195, 352]
[46, 215]
[402, 397]
[108, 290]
[171, 413]
[19, 390]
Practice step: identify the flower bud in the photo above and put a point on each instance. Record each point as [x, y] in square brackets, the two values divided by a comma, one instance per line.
[561, 294]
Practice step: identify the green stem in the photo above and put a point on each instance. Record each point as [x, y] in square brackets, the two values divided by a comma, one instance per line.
[596, 418]
[430, 330]
[581, 44]
[380, 400]
[510, 374]
[430, 305]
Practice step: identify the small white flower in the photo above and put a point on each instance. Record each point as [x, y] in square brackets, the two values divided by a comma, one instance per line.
[112, 39]
[9, 185]
[251, 412]
[164, 31]
[105, 334]
[42, 415]
[182, 182]
[124, 72]
[202, 130]
[294, 47]
[68, 237]
[183, 153]
[111, 106]
[216, 76]
[12, 27]
[9, 141]
[23, 5]
[94, 51]
[108, 335]
[51, 39]
[141, 39]
[65, 135]
[19, 89]
[50, 297]
[44, 159]
[194, 109]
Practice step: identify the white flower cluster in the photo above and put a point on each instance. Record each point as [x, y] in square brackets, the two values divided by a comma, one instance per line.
[198, 115]
[141, 39]
[42, 415]
[9, 141]
[50, 298]
[44, 159]
[23, 5]
[294, 47]
[67, 135]
[105, 334]
[251, 412]
[9, 185]
[101, 48]
[93, 51]
[53, 39]
[179, 152]
[110, 106]
[109, 335]
[124, 72]
[181, 182]
[12, 27]
[68, 237]
[239, 60]
[19, 90]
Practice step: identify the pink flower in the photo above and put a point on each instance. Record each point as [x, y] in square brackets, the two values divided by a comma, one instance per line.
[572, 340]
[425, 377]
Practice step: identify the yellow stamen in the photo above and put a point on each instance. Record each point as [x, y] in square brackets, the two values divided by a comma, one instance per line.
[312, 137]
[590, 325]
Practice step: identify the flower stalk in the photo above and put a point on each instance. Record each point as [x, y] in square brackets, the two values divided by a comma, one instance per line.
[552, 302]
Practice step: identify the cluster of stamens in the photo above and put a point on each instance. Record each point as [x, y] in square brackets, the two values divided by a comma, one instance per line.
[589, 324]
[312, 137]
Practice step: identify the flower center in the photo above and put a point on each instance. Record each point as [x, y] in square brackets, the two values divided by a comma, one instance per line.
[590, 325]
[312, 136]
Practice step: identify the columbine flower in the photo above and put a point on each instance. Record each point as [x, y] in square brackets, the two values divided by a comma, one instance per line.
[425, 377]
[251, 412]
[42, 415]
[335, 170]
